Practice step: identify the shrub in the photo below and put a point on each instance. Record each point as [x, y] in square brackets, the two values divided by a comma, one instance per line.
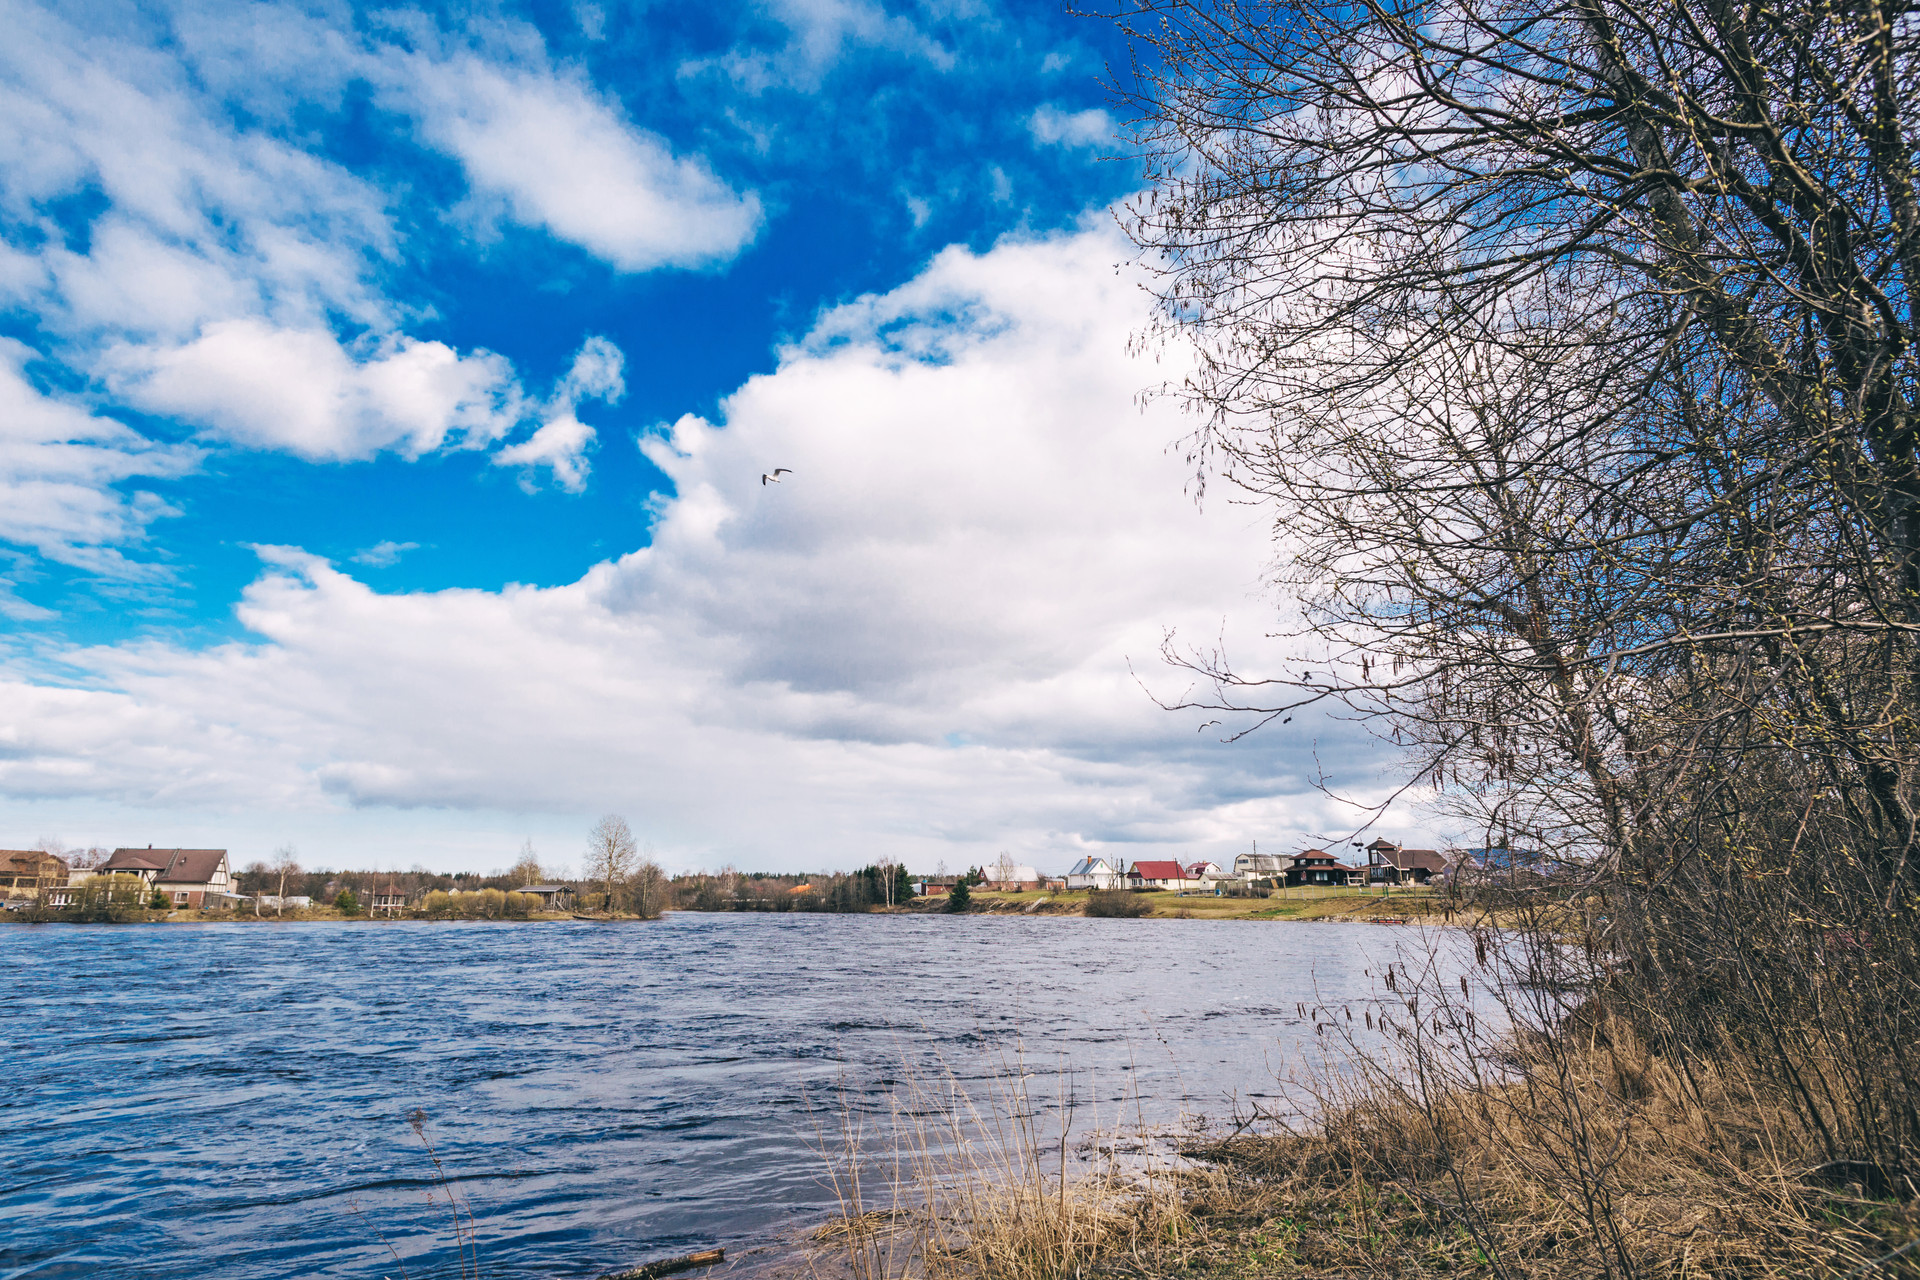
[522, 904]
[961, 897]
[493, 903]
[438, 903]
[346, 903]
[1117, 903]
[159, 902]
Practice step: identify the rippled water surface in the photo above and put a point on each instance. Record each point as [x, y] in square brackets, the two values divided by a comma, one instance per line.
[231, 1100]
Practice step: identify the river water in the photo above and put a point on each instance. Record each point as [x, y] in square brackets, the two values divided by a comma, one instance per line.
[233, 1100]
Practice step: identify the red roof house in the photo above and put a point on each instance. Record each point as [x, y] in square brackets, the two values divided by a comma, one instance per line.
[1158, 875]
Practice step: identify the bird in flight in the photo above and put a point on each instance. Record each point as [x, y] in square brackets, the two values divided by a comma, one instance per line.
[1208, 725]
[773, 477]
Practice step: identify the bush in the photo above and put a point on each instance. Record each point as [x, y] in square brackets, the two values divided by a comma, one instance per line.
[1117, 903]
[346, 903]
[438, 903]
[159, 902]
[961, 897]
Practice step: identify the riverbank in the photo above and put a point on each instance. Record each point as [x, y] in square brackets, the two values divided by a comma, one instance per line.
[1351, 906]
[1400, 906]
[1435, 1150]
[314, 915]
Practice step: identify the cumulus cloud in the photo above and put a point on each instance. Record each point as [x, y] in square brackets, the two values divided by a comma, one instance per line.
[224, 276]
[302, 391]
[564, 157]
[560, 445]
[1054, 127]
[61, 468]
[919, 643]
[562, 441]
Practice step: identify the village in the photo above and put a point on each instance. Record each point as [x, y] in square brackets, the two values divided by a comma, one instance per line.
[91, 884]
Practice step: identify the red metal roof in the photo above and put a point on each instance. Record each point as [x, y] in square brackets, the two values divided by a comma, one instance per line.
[1159, 871]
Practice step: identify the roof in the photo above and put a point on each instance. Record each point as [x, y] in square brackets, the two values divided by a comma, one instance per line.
[542, 888]
[1159, 871]
[1316, 854]
[1088, 866]
[176, 866]
[1198, 869]
[31, 857]
[1408, 859]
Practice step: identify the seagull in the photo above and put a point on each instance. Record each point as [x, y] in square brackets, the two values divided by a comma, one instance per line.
[1209, 724]
[773, 477]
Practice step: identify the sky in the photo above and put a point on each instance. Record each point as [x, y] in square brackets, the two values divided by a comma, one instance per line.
[385, 396]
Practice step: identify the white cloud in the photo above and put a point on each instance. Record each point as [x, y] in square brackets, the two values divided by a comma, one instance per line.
[560, 445]
[60, 470]
[384, 555]
[562, 440]
[598, 373]
[918, 643]
[819, 35]
[563, 156]
[233, 280]
[301, 391]
[1054, 127]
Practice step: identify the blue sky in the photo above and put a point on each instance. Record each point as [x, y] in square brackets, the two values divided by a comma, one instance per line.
[385, 393]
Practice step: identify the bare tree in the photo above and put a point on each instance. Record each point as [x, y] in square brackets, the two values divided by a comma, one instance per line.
[610, 853]
[286, 863]
[1573, 348]
[527, 869]
[647, 886]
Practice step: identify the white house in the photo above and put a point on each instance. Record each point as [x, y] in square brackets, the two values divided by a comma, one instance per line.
[1161, 875]
[1011, 876]
[1262, 866]
[1094, 873]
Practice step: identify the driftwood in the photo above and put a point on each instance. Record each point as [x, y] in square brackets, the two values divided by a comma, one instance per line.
[668, 1266]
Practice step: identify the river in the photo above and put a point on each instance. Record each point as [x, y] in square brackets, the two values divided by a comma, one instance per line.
[233, 1100]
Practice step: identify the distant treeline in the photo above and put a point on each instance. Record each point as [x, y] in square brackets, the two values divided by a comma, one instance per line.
[323, 885]
[862, 890]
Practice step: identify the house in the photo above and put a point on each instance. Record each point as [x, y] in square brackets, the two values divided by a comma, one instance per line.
[1501, 864]
[1205, 871]
[1012, 878]
[25, 872]
[1159, 875]
[553, 897]
[1094, 873]
[1389, 863]
[186, 876]
[1261, 866]
[387, 902]
[1318, 867]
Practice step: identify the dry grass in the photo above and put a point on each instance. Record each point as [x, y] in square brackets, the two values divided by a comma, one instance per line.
[1594, 1159]
[973, 1188]
[1436, 1148]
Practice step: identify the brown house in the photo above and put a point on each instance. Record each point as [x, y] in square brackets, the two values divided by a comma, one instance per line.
[1318, 867]
[189, 877]
[25, 872]
[1389, 863]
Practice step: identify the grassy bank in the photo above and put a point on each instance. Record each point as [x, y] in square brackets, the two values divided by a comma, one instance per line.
[313, 915]
[1401, 905]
